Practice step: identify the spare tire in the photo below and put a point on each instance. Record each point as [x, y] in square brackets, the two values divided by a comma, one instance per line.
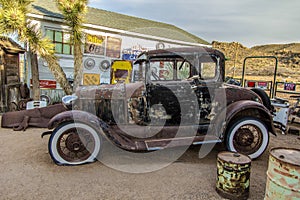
[264, 97]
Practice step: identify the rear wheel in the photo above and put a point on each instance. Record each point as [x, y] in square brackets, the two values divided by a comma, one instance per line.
[248, 136]
[74, 143]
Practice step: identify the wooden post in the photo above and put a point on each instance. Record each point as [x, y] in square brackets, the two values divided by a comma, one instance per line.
[35, 76]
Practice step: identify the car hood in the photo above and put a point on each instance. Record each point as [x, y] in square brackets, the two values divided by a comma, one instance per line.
[111, 91]
[236, 93]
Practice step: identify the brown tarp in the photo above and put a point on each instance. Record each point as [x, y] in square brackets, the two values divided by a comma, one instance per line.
[37, 117]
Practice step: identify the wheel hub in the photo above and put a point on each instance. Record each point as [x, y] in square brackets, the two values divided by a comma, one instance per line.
[74, 143]
[245, 137]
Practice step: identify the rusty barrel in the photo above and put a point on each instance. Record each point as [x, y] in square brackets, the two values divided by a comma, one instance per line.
[233, 175]
[283, 175]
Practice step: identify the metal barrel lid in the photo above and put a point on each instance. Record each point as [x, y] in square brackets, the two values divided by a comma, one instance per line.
[234, 157]
[287, 155]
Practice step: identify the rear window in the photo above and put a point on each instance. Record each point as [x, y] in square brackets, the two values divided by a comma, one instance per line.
[208, 70]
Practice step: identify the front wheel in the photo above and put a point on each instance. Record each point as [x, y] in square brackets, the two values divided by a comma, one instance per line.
[74, 143]
[248, 136]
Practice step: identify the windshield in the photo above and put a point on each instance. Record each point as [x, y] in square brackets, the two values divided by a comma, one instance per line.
[169, 70]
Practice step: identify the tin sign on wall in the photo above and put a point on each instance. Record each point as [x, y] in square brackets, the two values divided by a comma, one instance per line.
[91, 79]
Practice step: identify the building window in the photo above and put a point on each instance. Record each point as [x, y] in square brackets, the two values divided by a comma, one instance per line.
[61, 41]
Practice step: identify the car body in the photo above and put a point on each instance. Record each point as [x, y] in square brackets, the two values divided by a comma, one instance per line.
[177, 97]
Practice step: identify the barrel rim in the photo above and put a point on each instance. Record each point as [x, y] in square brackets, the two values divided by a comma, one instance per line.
[228, 195]
[283, 161]
[233, 152]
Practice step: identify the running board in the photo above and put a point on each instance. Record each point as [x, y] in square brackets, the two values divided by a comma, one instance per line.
[158, 144]
[208, 142]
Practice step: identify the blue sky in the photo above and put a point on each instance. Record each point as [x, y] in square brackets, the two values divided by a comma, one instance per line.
[250, 22]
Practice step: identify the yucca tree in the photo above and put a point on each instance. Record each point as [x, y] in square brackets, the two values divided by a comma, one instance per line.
[45, 48]
[13, 19]
[74, 13]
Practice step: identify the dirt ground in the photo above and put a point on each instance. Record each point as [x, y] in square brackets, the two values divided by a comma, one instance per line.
[28, 172]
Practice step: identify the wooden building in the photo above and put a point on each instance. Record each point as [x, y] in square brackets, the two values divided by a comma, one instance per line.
[9, 72]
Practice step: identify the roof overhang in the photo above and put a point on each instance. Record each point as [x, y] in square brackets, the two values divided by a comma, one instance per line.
[10, 46]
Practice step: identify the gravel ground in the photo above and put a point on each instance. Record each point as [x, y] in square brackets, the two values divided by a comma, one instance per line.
[28, 172]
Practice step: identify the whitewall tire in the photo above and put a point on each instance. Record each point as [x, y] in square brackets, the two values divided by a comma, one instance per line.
[248, 136]
[74, 143]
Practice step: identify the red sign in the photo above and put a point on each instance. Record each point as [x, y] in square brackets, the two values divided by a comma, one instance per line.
[251, 83]
[49, 84]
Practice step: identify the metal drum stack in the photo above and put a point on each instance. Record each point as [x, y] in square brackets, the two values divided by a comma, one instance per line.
[233, 175]
[283, 175]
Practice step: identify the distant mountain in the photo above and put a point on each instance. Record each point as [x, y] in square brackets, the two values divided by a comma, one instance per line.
[288, 59]
[294, 47]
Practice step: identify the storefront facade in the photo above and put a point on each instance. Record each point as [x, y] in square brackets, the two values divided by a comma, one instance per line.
[107, 37]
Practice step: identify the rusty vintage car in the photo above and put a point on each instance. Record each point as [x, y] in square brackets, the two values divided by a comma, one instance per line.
[176, 97]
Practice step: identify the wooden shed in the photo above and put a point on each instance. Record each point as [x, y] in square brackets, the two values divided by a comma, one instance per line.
[9, 72]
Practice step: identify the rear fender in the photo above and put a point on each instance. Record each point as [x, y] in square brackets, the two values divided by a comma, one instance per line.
[244, 108]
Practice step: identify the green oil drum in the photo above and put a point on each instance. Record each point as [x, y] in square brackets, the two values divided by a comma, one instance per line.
[283, 175]
[233, 175]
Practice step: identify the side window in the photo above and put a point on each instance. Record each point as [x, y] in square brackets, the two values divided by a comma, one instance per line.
[162, 70]
[208, 70]
[138, 72]
[183, 70]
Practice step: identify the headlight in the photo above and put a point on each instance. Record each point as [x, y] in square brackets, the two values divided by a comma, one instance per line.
[69, 99]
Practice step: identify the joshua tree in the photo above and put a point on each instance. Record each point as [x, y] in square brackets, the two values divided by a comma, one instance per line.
[74, 12]
[13, 19]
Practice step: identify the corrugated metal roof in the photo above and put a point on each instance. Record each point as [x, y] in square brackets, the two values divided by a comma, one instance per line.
[114, 20]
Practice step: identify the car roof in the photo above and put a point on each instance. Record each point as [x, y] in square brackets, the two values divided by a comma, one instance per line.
[181, 51]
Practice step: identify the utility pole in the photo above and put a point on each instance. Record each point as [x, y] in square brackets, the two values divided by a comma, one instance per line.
[235, 58]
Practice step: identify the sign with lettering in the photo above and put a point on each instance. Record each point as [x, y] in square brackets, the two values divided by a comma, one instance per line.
[290, 86]
[94, 44]
[46, 84]
[263, 85]
[132, 53]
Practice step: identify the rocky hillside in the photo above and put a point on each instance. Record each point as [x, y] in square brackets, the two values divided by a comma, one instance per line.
[293, 47]
[288, 60]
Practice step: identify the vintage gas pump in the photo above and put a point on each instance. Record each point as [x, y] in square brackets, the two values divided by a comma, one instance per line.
[121, 71]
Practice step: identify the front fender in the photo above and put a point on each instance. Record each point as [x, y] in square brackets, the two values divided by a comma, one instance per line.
[107, 132]
[80, 116]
